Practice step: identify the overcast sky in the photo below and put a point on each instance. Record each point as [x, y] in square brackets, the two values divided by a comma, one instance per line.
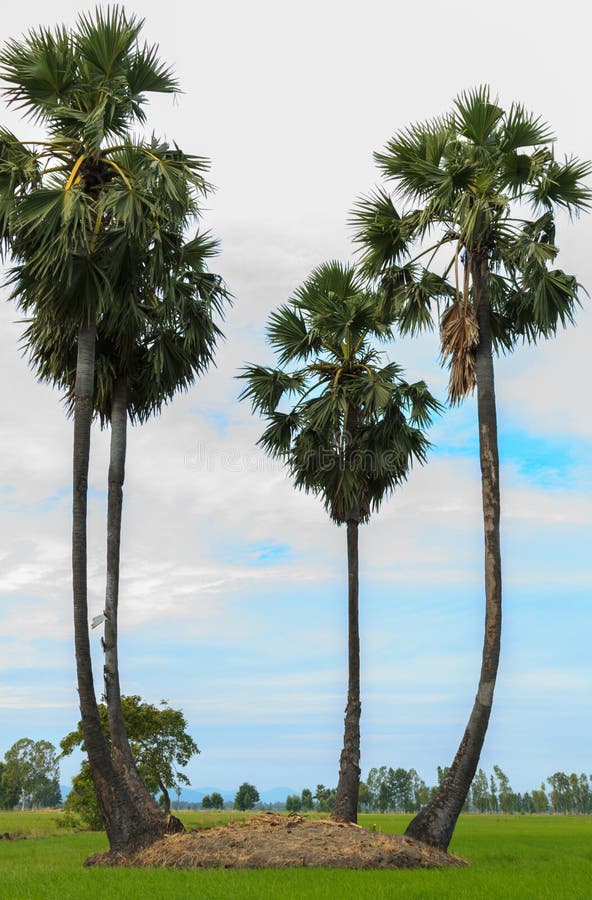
[233, 603]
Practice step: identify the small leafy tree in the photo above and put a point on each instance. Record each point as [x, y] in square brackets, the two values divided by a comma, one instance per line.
[306, 799]
[384, 800]
[31, 772]
[159, 743]
[9, 793]
[540, 801]
[293, 803]
[81, 805]
[217, 800]
[365, 798]
[246, 796]
[325, 798]
[508, 799]
[480, 792]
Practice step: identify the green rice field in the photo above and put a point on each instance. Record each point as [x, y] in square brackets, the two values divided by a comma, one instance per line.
[530, 857]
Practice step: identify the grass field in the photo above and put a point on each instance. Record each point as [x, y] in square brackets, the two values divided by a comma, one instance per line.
[510, 856]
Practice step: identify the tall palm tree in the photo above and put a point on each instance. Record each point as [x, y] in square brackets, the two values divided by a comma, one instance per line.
[350, 437]
[68, 204]
[140, 365]
[484, 183]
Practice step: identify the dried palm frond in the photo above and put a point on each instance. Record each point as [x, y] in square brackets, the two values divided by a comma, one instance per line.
[459, 334]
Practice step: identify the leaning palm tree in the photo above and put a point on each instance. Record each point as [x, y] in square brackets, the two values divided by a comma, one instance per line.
[147, 358]
[484, 183]
[68, 205]
[350, 437]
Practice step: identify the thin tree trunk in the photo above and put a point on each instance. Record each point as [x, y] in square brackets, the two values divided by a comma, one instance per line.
[435, 823]
[166, 797]
[346, 799]
[124, 826]
[123, 759]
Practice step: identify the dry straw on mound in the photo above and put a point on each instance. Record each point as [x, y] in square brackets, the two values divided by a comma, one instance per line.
[269, 840]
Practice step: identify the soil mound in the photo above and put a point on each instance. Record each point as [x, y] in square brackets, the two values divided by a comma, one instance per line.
[269, 840]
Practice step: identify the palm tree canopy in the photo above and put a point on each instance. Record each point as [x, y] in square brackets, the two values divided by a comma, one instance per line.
[160, 341]
[484, 182]
[85, 85]
[346, 423]
[73, 204]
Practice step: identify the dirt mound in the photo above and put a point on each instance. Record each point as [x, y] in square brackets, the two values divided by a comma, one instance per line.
[272, 841]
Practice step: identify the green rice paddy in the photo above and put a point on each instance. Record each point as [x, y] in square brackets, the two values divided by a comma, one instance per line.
[510, 856]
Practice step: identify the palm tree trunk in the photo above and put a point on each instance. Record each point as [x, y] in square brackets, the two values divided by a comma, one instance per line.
[346, 799]
[124, 826]
[435, 823]
[123, 759]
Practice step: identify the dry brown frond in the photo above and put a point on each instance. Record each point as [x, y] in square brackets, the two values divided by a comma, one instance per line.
[459, 334]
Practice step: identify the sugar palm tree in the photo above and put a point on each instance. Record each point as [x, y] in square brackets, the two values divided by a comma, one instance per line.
[68, 205]
[350, 437]
[483, 183]
[140, 365]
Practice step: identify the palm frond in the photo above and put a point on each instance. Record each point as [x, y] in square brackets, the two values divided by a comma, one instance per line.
[563, 185]
[383, 234]
[522, 129]
[476, 115]
[265, 386]
[289, 336]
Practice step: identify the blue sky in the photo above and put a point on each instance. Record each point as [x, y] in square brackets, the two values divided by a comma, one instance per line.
[233, 586]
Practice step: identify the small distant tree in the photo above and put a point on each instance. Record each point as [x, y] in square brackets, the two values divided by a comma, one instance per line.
[365, 798]
[9, 793]
[420, 792]
[293, 803]
[561, 792]
[325, 798]
[527, 804]
[480, 791]
[206, 802]
[493, 804]
[306, 799]
[8, 798]
[383, 797]
[48, 794]
[31, 772]
[82, 802]
[540, 801]
[217, 800]
[246, 796]
[400, 785]
[508, 800]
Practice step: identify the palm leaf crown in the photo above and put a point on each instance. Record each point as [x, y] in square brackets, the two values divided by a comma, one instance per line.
[347, 425]
[72, 204]
[160, 336]
[485, 182]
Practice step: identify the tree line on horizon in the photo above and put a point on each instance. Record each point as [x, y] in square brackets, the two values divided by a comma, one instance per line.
[29, 779]
[111, 271]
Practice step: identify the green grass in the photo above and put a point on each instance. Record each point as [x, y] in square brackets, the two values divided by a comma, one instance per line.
[530, 857]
